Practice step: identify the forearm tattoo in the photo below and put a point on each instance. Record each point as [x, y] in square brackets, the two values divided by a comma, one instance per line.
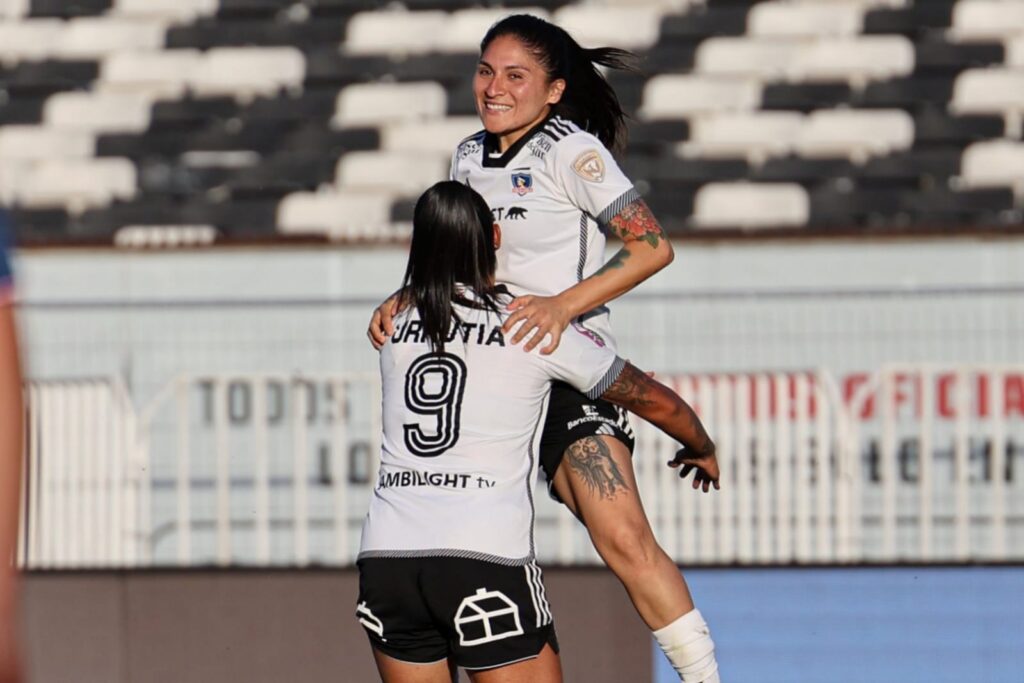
[591, 458]
[616, 261]
[632, 389]
[636, 222]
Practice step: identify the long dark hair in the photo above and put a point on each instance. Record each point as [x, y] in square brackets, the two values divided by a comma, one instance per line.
[589, 100]
[452, 251]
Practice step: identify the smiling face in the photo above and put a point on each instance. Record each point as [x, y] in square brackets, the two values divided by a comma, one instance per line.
[512, 89]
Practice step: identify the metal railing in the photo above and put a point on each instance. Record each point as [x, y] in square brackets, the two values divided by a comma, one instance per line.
[913, 463]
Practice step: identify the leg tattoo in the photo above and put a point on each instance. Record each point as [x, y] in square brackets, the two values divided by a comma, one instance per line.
[592, 459]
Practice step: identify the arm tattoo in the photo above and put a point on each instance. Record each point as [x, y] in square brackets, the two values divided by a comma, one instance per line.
[636, 222]
[591, 459]
[616, 261]
[632, 387]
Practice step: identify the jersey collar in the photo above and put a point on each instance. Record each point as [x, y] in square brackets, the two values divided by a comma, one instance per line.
[491, 146]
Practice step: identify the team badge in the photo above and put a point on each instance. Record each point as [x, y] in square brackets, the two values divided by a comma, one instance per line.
[589, 166]
[522, 183]
[485, 617]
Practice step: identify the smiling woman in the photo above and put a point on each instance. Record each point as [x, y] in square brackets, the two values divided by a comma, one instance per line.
[543, 164]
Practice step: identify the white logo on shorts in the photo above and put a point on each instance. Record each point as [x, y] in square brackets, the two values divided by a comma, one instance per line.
[474, 618]
[371, 622]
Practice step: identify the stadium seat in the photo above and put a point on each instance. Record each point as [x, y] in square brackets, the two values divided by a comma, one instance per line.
[808, 20]
[855, 134]
[40, 143]
[991, 91]
[173, 10]
[679, 96]
[938, 55]
[994, 163]
[14, 9]
[396, 31]
[160, 74]
[462, 30]
[750, 205]
[909, 18]
[31, 39]
[67, 8]
[1015, 52]
[762, 58]
[596, 26]
[703, 20]
[76, 184]
[754, 136]
[38, 79]
[96, 37]
[987, 19]
[440, 135]
[379, 103]
[336, 215]
[805, 96]
[98, 112]
[392, 172]
[854, 60]
[247, 72]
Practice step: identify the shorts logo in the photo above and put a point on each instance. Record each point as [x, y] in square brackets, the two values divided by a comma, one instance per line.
[369, 621]
[589, 166]
[589, 410]
[522, 183]
[485, 617]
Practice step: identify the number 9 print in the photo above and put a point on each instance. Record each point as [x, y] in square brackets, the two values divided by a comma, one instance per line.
[443, 401]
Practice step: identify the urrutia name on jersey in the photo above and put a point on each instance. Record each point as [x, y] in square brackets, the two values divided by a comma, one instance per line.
[477, 333]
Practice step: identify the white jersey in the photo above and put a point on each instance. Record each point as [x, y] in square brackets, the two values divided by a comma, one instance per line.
[551, 192]
[461, 433]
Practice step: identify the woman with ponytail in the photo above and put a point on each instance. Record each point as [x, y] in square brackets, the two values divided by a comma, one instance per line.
[543, 165]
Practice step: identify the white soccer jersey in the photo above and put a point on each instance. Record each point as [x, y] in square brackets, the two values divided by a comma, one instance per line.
[461, 433]
[551, 192]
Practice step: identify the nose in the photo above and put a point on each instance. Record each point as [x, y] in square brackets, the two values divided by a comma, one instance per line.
[495, 87]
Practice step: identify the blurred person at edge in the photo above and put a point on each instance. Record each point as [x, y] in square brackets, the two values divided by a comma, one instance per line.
[543, 165]
[11, 425]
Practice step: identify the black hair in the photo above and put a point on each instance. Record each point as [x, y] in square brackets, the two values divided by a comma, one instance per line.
[589, 100]
[452, 251]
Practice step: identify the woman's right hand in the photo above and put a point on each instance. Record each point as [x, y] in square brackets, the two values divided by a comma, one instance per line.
[382, 323]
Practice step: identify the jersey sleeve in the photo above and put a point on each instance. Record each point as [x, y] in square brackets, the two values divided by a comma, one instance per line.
[584, 362]
[592, 178]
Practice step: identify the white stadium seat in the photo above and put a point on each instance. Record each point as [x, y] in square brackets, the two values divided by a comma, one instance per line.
[39, 142]
[395, 31]
[395, 172]
[991, 91]
[95, 37]
[754, 136]
[464, 29]
[338, 215]
[751, 205]
[98, 112]
[77, 184]
[987, 19]
[1015, 52]
[855, 60]
[817, 20]
[856, 134]
[679, 96]
[179, 11]
[763, 58]
[602, 26]
[246, 72]
[30, 39]
[163, 74]
[438, 135]
[13, 9]
[376, 103]
[994, 163]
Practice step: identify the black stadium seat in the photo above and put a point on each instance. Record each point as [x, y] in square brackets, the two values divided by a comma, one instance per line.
[211, 32]
[919, 17]
[68, 8]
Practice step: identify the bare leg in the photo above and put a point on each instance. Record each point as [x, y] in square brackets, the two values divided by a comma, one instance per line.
[544, 668]
[394, 671]
[596, 481]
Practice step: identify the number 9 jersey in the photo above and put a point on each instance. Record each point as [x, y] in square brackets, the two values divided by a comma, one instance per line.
[461, 433]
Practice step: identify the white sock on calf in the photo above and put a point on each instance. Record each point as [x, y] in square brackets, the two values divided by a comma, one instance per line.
[687, 644]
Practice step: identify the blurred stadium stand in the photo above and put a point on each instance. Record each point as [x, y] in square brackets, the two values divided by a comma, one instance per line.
[261, 119]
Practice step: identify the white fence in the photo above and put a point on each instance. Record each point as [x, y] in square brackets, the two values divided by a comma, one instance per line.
[912, 464]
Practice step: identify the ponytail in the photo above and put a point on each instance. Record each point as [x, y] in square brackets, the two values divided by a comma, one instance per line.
[589, 100]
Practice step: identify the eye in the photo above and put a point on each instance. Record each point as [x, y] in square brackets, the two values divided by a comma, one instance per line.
[515, 76]
[483, 71]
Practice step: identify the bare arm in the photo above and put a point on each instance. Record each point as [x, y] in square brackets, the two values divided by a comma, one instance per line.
[662, 407]
[11, 425]
[644, 252]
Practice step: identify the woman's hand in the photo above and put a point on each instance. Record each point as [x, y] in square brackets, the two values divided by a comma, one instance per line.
[703, 465]
[382, 323]
[540, 316]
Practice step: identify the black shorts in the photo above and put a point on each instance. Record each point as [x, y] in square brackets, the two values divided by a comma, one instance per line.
[571, 417]
[480, 614]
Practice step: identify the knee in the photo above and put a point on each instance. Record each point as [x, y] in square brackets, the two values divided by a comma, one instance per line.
[628, 546]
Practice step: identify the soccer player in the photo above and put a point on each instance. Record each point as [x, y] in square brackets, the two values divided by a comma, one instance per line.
[11, 421]
[543, 165]
[448, 575]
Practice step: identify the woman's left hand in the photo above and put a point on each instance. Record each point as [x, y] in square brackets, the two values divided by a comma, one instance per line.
[540, 316]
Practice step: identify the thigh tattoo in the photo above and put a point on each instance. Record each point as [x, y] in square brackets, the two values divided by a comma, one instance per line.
[592, 459]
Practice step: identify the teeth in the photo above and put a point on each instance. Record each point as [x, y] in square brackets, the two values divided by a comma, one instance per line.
[497, 107]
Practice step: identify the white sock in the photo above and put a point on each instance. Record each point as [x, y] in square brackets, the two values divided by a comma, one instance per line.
[687, 644]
